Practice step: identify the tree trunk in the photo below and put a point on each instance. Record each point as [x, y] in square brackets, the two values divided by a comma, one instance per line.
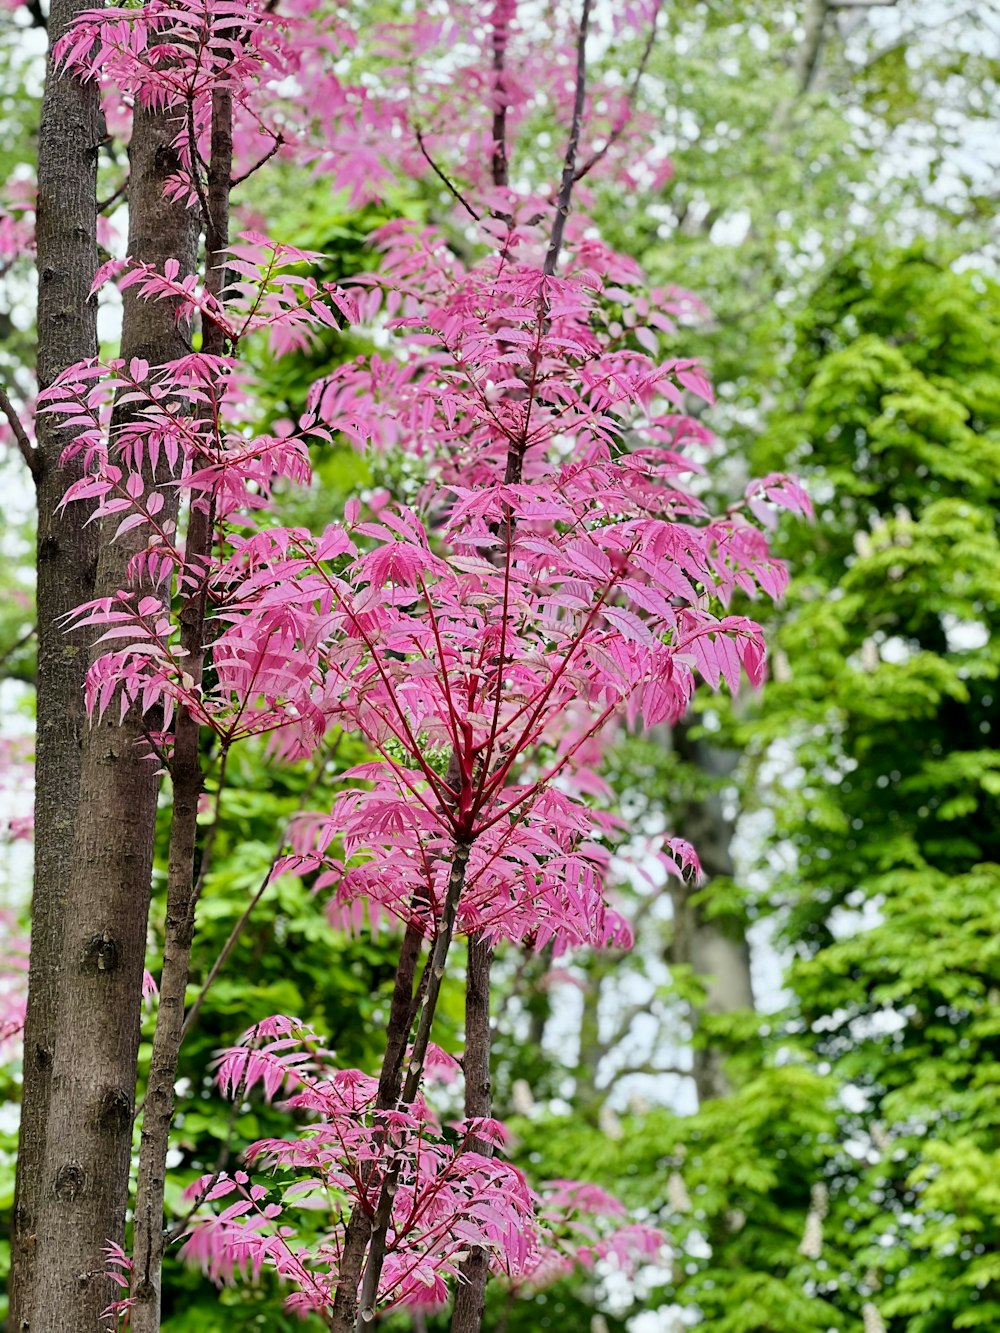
[715, 946]
[89, 1137]
[187, 781]
[470, 1295]
[68, 141]
[354, 1310]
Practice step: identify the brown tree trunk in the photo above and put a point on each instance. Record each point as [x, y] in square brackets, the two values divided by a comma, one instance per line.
[89, 1136]
[714, 946]
[186, 780]
[470, 1294]
[68, 140]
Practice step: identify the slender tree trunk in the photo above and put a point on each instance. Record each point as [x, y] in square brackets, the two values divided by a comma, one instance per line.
[89, 1137]
[470, 1295]
[68, 140]
[187, 780]
[715, 946]
[359, 1225]
[351, 1309]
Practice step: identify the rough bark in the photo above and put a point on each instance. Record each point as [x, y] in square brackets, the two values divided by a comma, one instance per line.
[470, 1295]
[187, 781]
[89, 1136]
[715, 947]
[66, 553]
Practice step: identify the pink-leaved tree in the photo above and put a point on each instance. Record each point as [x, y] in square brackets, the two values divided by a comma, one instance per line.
[551, 576]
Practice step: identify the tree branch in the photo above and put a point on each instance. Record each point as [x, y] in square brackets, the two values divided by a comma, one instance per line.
[619, 129]
[241, 925]
[434, 969]
[28, 453]
[452, 189]
[103, 204]
[573, 144]
[653, 1070]
[17, 645]
[238, 180]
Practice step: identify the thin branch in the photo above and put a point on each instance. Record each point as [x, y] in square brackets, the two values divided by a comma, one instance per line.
[191, 1017]
[624, 1025]
[17, 645]
[435, 970]
[633, 91]
[912, 34]
[28, 453]
[238, 180]
[652, 1070]
[569, 162]
[452, 189]
[103, 204]
[225, 1148]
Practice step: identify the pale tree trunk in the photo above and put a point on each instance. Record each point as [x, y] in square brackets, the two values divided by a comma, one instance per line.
[84, 1189]
[713, 945]
[68, 140]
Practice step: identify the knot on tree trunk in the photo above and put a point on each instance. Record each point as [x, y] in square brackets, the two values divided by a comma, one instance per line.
[69, 1182]
[102, 954]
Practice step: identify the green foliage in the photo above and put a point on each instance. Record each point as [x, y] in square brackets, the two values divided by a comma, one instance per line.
[885, 812]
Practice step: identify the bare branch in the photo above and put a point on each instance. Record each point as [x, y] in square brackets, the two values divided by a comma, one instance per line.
[28, 453]
[452, 189]
[912, 34]
[620, 128]
[624, 1025]
[652, 1070]
[238, 180]
[191, 1017]
[569, 162]
[104, 204]
[20, 642]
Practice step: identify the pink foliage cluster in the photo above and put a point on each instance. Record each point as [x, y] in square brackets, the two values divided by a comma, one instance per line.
[319, 85]
[503, 628]
[554, 574]
[450, 1196]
